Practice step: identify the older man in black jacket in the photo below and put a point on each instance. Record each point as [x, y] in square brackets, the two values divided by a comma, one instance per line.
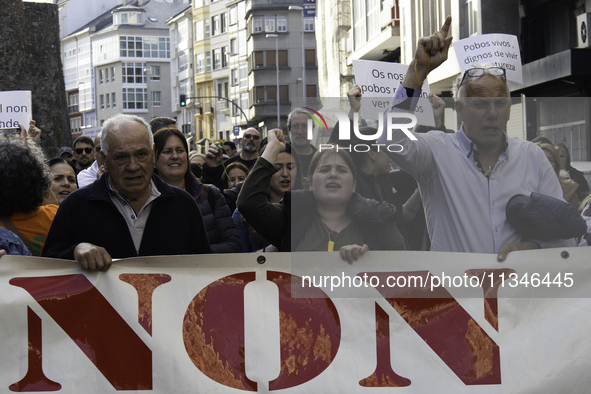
[128, 211]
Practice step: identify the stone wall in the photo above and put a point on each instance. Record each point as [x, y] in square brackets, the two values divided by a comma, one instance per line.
[30, 53]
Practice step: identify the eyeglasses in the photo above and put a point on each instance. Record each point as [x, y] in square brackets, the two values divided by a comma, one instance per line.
[80, 150]
[478, 72]
[97, 149]
[251, 137]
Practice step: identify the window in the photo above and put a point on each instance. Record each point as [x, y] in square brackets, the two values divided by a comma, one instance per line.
[283, 58]
[308, 24]
[472, 13]
[155, 99]
[243, 73]
[310, 57]
[112, 74]
[311, 91]
[207, 61]
[257, 24]
[155, 47]
[217, 58]
[197, 3]
[183, 31]
[233, 49]
[233, 15]
[198, 30]
[215, 25]
[271, 58]
[199, 63]
[234, 76]
[100, 77]
[206, 26]
[106, 75]
[225, 56]
[259, 59]
[133, 72]
[108, 100]
[155, 73]
[265, 94]
[223, 22]
[267, 58]
[135, 98]
[183, 61]
[243, 101]
[270, 24]
[102, 101]
[284, 93]
[113, 100]
[281, 23]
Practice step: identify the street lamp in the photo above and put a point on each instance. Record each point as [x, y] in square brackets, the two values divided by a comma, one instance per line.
[298, 8]
[277, 67]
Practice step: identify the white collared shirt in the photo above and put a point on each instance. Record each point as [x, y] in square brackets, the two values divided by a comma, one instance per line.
[464, 209]
[136, 221]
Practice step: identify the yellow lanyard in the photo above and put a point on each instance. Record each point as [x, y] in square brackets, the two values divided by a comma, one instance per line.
[330, 246]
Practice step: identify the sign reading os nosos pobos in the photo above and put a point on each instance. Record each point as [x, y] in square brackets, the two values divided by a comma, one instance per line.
[15, 108]
[500, 50]
[379, 80]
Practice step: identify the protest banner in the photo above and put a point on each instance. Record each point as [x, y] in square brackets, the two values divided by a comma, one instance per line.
[501, 50]
[378, 81]
[15, 108]
[223, 323]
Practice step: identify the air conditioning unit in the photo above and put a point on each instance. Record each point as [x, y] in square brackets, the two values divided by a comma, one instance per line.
[583, 30]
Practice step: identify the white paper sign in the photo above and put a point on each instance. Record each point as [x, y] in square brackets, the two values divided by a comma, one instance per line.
[15, 108]
[502, 50]
[378, 81]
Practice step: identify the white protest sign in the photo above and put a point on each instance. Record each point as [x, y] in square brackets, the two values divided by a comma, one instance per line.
[378, 81]
[15, 108]
[502, 50]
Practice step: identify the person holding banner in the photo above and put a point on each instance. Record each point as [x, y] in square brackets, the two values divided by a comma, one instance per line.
[329, 216]
[25, 181]
[467, 178]
[129, 211]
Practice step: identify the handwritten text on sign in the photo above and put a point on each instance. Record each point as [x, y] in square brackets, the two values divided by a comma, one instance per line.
[15, 108]
[378, 81]
[501, 50]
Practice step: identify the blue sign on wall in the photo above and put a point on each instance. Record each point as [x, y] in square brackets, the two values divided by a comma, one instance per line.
[309, 8]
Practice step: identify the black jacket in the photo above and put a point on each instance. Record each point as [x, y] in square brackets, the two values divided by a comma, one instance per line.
[274, 221]
[221, 231]
[174, 226]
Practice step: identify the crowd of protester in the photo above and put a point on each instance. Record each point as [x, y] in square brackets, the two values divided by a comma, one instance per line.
[137, 189]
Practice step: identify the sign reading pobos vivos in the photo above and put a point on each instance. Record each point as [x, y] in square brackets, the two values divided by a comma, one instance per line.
[15, 108]
[227, 323]
[500, 50]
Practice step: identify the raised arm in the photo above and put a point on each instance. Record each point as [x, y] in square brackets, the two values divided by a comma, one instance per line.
[431, 52]
[266, 218]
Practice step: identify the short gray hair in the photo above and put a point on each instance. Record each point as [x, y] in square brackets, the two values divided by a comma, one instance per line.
[116, 122]
[298, 110]
[459, 90]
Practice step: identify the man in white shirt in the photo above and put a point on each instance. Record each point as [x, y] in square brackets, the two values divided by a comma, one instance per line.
[92, 173]
[467, 178]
